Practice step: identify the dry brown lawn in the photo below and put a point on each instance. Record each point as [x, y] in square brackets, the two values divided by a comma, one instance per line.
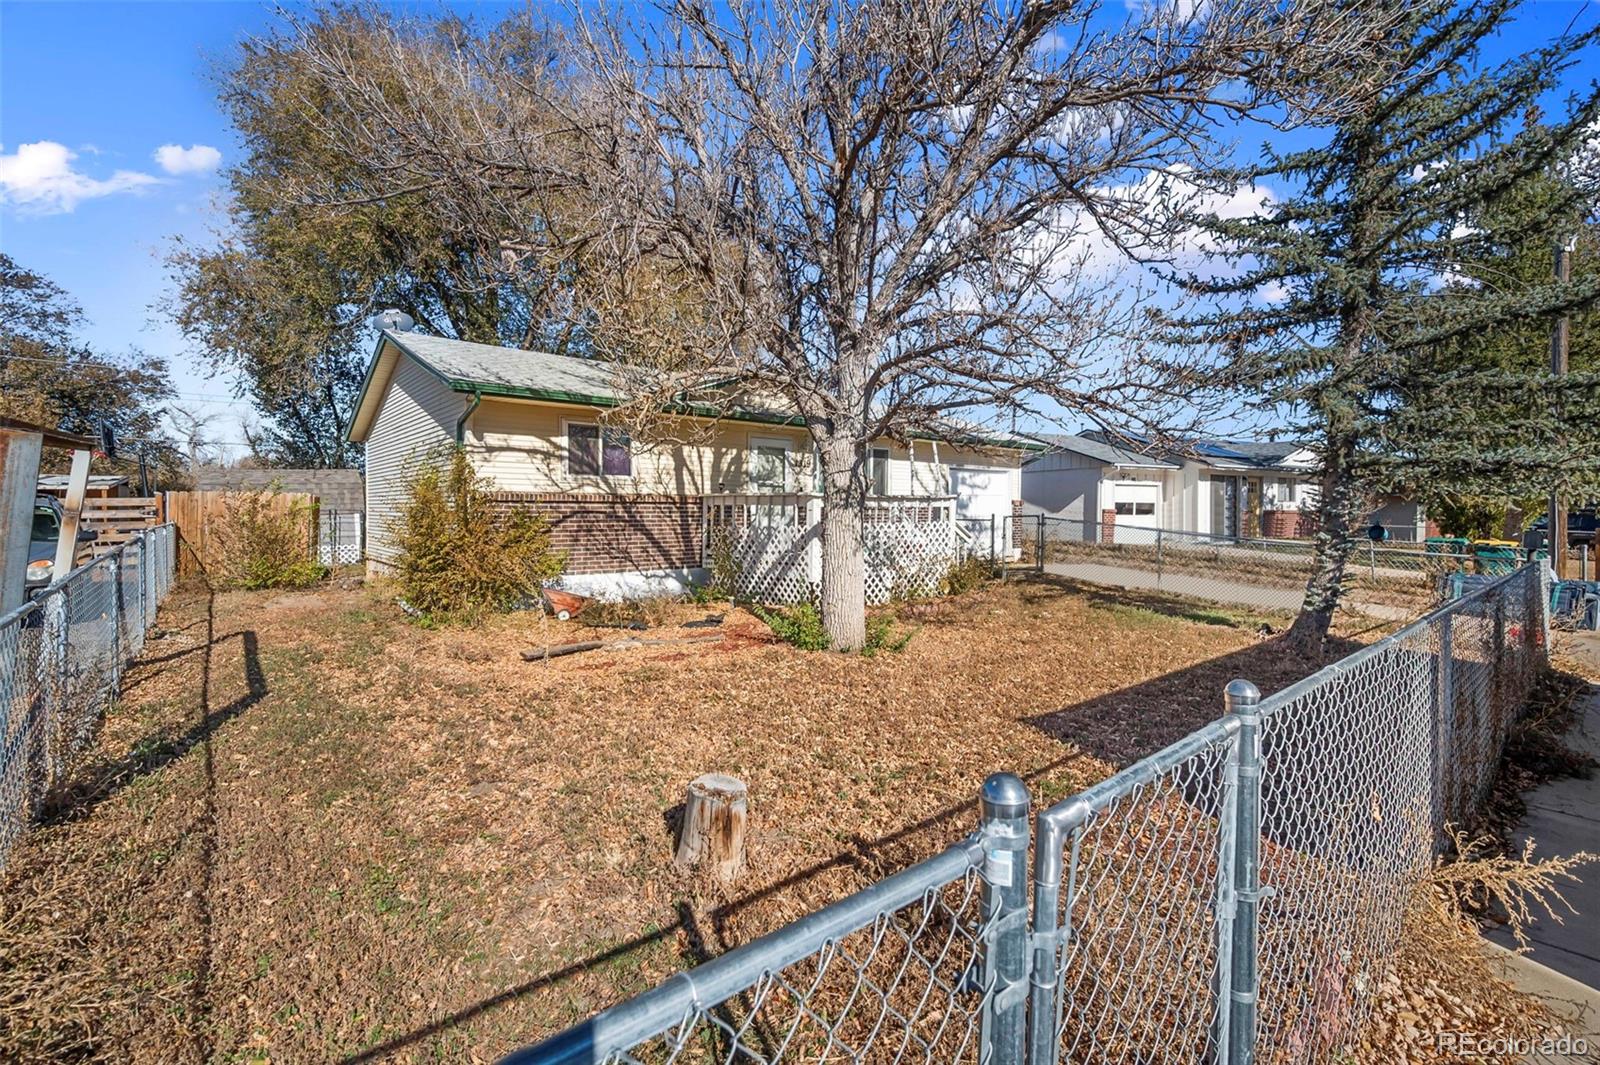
[313, 831]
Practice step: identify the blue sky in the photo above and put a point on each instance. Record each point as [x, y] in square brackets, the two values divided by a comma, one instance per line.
[106, 86]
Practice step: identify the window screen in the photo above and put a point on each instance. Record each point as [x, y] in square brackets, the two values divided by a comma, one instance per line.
[880, 471]
[591, 450]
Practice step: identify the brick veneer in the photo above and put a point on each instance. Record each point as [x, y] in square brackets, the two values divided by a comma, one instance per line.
[1108, 526]
[616, 533]
[1016, 524]
[1287, 525]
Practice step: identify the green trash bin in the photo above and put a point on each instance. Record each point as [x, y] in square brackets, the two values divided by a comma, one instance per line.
[1496, 557]
[1444, 554]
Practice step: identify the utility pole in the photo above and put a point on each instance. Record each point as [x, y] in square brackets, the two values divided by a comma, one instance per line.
[1559, 339]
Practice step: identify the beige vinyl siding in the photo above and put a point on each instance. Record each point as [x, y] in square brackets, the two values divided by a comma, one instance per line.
[523, 448]
[417, 417]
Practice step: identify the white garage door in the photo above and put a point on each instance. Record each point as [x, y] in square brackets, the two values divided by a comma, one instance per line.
[1138, 504]
[982, 495]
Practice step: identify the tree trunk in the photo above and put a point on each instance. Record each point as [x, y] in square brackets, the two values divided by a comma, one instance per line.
[714, 817]
[844, 568]
[1340, 505]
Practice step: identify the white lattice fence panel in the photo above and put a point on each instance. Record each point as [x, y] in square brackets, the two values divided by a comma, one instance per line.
[907, 554]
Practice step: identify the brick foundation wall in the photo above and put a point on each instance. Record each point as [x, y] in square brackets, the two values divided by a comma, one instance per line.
[1287, 525]
[616, 534]
[1108, 526]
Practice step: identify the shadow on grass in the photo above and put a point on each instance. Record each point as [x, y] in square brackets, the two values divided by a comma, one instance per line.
[1118, 728]
[103, 780]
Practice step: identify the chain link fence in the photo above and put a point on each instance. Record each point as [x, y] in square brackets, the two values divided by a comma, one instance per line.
[1391, 580]
[61, 661]
[1233, 897]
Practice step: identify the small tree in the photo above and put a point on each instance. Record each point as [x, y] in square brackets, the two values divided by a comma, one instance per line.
[459, 555]
[1359, 257]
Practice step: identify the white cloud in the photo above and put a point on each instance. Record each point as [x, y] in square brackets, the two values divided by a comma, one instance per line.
[196, 159]
[1078, 245]
[40, 177]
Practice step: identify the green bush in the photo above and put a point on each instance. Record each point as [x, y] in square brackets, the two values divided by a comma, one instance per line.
[800, 625]
[264, 541]
[881, 636]
[459, 556]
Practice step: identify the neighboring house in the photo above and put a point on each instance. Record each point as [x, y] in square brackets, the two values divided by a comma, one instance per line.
[631, 514]
[1220, 488]
[101, 486]
[339, 490]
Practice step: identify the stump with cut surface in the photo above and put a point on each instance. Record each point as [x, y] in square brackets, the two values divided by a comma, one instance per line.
[712, 839]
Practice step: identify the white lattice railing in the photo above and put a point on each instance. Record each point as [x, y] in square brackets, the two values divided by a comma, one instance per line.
[769, 547]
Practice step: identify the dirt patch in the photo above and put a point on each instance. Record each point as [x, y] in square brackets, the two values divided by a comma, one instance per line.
[314, 831]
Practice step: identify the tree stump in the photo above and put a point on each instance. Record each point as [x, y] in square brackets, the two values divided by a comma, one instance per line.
[712, 839]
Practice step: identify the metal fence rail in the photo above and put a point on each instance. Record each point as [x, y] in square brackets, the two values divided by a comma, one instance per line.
[1234, 897]
[61, 661]
[1398, 579]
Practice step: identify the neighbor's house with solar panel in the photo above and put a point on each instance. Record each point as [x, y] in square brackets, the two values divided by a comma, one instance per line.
[1123, 491]
[632, 515]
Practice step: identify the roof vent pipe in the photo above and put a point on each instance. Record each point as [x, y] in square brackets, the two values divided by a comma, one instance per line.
[394, 320]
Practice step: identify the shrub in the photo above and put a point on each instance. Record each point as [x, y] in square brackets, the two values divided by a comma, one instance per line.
[459, 557]
[800, 625]
[264, 541]
[881, 636]
[971, 572]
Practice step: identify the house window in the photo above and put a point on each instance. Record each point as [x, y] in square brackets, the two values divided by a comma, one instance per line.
[769, 470]
[1131, 508]
[593, 449]
[878, 469]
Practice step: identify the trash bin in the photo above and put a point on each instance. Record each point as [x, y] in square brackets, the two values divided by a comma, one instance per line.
[1444, 554]
[1495, 557]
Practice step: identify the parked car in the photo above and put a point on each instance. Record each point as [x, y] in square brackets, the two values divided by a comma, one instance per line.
[1581, 526]
[47, 518]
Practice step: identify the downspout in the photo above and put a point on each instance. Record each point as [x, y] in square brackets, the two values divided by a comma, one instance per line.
[461, 422]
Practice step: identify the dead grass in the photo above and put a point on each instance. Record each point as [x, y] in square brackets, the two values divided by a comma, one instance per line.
[1443, 979]
[316, 832]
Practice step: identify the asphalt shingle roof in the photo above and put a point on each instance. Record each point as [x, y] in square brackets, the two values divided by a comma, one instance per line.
[1105, 452]
[511, 369]
[1263, 454]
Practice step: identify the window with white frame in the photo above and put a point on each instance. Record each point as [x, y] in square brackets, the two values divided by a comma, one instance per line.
[595, 450]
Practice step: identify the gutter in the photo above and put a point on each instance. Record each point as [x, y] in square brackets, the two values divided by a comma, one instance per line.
[461, 422]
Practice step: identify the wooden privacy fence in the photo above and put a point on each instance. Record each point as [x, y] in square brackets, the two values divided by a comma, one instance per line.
[199, 515]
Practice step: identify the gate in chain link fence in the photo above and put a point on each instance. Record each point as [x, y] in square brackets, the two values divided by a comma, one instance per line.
[1394, 580]
[1233, 897]
[61, 661]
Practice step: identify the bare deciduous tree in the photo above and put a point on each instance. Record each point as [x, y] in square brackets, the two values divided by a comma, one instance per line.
[889, 214]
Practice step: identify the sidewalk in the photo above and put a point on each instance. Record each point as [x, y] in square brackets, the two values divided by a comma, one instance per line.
[1268, 597]
[1563, 818]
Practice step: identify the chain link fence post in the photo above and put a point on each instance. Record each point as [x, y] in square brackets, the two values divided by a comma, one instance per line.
[1444, 720]
[1003, 807]
[1244, 771]
[1039, 545]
